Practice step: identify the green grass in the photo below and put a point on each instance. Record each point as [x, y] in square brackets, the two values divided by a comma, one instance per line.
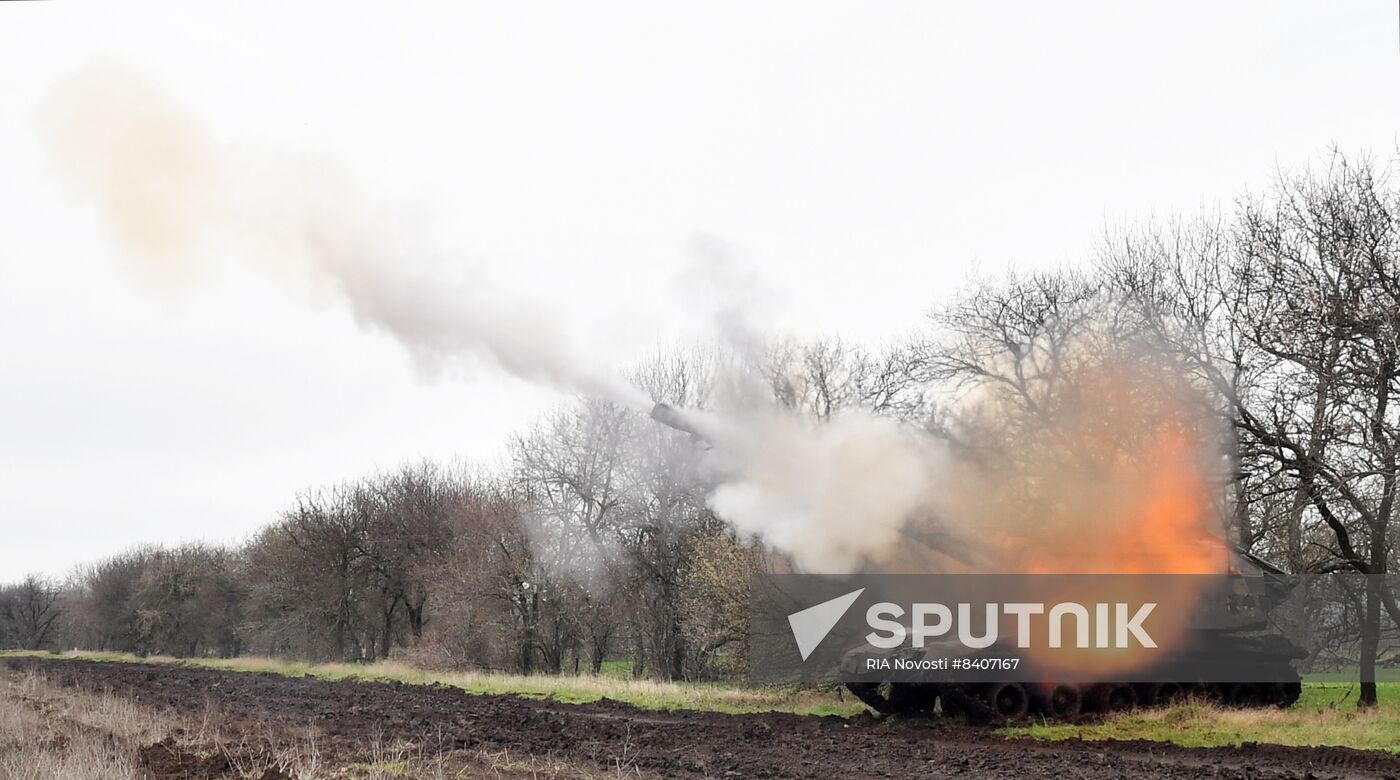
[1347, 676]
[611, 684]
[620, 669]
[1326, 714]
[380, 769]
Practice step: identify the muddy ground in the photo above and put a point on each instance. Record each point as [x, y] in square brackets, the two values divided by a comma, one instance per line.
[620, 740]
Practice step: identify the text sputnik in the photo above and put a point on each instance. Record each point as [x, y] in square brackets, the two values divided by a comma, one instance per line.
[1065, 620]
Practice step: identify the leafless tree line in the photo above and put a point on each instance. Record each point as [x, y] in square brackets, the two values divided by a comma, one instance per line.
[596, 543]
[593, 544]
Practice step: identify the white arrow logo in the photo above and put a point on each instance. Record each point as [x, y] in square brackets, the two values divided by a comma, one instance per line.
[811, 625]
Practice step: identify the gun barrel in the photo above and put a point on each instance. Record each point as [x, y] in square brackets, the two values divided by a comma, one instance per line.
[669, 417]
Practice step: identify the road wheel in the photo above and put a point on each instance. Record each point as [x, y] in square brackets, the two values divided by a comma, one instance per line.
[1007, 701]
[873, 695]
[913, 698]
[1110, 697]
[963, 701]
[1057, 702]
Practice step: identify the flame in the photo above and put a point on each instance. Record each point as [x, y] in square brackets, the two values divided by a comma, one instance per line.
[1158, 517]
[1155, 511]
[1119, 476]
[1119, 480]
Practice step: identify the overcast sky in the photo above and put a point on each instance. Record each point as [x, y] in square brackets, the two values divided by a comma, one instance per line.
[858, 159]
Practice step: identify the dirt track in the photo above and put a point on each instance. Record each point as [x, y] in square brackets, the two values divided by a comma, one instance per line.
[610, 735]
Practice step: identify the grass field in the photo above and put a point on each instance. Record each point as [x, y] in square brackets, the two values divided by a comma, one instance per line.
[612, 684]
[1325, 715]
[50, 731]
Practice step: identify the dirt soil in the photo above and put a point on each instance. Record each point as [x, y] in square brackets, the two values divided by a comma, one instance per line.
[617, 738]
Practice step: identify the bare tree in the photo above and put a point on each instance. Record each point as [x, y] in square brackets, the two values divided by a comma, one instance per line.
[1291, 316]
[31, 609]
[1326, 310]
[822, 377]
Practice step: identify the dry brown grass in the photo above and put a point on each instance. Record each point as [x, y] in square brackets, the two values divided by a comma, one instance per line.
[50, 732]
[574, 689]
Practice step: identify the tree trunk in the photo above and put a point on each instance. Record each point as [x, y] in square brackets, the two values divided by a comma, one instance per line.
[1370, 638]
[387, 629]
[415, 616]
[529, 609]
[639, 653]
[676, 647]
[1380, 524]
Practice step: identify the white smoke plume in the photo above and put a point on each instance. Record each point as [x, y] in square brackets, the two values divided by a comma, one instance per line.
[172, 196]
[831, 494]
[834, 494]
